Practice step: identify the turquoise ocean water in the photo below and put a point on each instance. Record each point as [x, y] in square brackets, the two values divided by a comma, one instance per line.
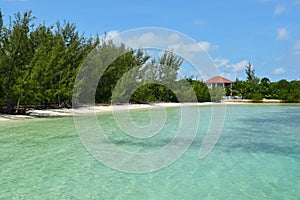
[256, 157]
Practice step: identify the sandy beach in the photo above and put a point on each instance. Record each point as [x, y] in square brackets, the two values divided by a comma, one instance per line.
[100, 108]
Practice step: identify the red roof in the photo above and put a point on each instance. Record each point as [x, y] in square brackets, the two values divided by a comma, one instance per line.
[218, 79]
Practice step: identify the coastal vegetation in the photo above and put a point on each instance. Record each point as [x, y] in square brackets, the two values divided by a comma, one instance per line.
[256, 89]
[39, 64]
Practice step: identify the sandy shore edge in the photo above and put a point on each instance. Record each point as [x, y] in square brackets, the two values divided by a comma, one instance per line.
[100, 109]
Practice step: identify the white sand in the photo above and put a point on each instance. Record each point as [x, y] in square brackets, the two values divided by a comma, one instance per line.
[89, 109]
[99, 109]
[5, 117]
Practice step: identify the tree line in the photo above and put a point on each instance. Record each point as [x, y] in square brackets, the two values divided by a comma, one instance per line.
[39, 64]
[256, 89]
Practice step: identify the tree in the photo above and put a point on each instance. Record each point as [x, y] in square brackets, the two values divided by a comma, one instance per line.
[252, 84]
[264, 87]
[38, 64]
[167, 67]
[250, 72]
[200, 89]
[17, 51]
[239, 88]
[216, 93]
[157, 79]
[67, 55]
[43, 41]
[286, 91]
[127, 60]
[265, 82]
[2, 59]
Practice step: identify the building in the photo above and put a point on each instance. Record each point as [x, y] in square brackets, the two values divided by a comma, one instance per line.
[218, 81]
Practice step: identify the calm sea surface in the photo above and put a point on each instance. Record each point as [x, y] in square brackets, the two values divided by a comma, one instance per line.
[256, 157]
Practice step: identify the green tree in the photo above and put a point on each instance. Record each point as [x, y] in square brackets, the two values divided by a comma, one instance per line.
[38, 65]
[200, 89]
[250, 72]
[239, 88]
[286, 91]
[216, 93]
[167, 68]
[264, 87]
[43, 41]
[2, 59]
[252, 84]
[158, 78]
[17, 51]
[127, 59]
[67, 55]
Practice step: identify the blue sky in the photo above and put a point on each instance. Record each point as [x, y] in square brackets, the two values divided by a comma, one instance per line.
[233, 32]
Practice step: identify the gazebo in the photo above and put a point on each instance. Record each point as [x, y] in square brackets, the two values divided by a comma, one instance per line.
[218, 81]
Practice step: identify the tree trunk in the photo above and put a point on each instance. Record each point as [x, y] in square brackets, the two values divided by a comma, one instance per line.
[18, 105]
[10, 103]
[58, 99]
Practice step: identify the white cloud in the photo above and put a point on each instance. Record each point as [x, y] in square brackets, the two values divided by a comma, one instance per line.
[296, 48]
[156, 40]
[278, 71]
[172, 41]
[174, 37]
[221, 62]
[279, 9]
[112, 34]
[207, 46]
[283, 34]
[201, 46]
[232, 67]
[239, 66]
[152, 39]
[148, 37]
[230, 70]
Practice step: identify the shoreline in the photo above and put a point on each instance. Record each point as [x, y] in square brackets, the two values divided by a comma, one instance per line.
[64, 112]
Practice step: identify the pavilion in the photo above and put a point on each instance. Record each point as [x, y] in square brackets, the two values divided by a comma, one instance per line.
[218, 81]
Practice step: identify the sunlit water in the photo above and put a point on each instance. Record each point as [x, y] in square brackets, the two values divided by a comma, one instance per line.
[257, 157]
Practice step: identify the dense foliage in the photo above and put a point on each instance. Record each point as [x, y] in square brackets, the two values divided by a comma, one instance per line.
[39, 64]
[256, 89]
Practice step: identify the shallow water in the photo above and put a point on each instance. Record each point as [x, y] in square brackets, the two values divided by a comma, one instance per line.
[257, 157]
